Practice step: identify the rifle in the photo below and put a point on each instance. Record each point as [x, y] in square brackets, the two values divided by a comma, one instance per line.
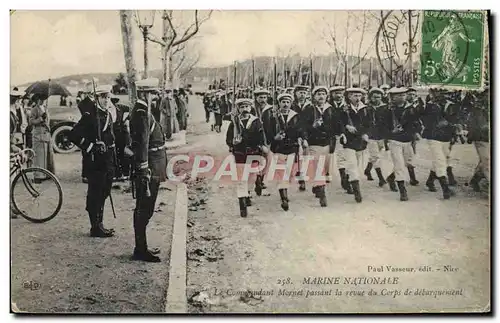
[234, 117]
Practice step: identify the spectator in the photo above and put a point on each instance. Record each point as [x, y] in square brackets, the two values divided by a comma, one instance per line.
[41, 137]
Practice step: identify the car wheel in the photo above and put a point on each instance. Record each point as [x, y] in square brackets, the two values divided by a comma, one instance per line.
[61, 142]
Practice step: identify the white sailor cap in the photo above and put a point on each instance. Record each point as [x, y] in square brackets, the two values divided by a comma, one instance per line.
[337, 88]
[301, 88]
[258, 92]
[102, 89]
[355, 90]
[385, 87]
[397, 90]
[16, 93]
[376, 90]
[243, 101]
[412, 89]
[285, 96]
[148, 84]
[320, 88]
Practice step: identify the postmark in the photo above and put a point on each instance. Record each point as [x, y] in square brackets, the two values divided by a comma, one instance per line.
[452, 51]
[397, 43]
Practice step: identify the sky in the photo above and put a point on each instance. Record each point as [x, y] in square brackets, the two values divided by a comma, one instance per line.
[47, 44]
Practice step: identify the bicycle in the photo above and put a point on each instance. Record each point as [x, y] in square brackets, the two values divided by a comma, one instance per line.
[36, 181]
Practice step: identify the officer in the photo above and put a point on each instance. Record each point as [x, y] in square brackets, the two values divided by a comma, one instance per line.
[400, 124]
[149, 170]
[356, 124]
[93, 134]
[120, 113]
[376, 142]
[284, 135]
[319, 128]
[244, 137]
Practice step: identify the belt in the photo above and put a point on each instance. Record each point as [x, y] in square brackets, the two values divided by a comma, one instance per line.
[112, 146]
[158, 148]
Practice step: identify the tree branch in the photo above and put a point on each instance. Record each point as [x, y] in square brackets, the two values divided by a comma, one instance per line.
[153, 39]
[188, 34]
[172, 28]
[179, 49]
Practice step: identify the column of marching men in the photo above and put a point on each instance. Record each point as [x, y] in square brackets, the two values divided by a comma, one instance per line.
[351, 124]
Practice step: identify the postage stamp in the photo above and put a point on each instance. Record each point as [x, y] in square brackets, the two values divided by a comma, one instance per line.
[452, 48]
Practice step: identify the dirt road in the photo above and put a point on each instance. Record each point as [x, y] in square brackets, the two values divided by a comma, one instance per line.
[437, 250]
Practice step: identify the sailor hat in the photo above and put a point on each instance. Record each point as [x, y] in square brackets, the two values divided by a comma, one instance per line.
[243, 101]
[285, 96]
[397, 90]
[384, 87]
[320, 88]
[355, 90]
[337, 88]
[301, 88]
[376, 90]
[258, 92]
[102, 89]
[16, 92]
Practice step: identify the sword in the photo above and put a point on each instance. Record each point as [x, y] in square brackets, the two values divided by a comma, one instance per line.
[112, 204]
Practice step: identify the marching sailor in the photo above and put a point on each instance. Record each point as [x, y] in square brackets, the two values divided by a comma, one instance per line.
[439, 128]
[400, 124]
[298, 104]
[284, 135]
[337, 100]
[264, 111]
[149, 170]
[376, 142]
[244, 137]
[319, 129]
[93, 134]
[356, 124]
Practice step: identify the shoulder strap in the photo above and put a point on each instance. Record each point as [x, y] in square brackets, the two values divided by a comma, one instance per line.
[250, 121]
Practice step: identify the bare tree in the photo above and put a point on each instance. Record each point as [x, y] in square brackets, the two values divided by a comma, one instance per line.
[128, 50]
[185, 58]
[171, 40]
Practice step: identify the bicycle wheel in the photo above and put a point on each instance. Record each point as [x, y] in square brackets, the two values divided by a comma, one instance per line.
[37, 194]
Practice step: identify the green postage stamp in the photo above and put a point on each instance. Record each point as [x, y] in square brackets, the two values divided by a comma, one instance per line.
[453, 48]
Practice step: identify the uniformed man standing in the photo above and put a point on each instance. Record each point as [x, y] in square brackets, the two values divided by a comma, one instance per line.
[356, 123]
[284, 135]
[479, 135]
[319, 129]
[93, 134]
[376, 142]
[244, 137]
[400, 123]
[149, 170]
[119, 114]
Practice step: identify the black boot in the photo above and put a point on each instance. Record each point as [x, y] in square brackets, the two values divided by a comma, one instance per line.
[243, 207]
[315, 190]
[342, 178]
[444, 186]
[248, 201]
[322, 195]
[381, 179]
[474, 182]
[258, 185]
[392, 184]
[348, 185]
[284, 199]
[357, 191]
[368, 171]
[302, 183]
[403, 195]
[411, 172]
[451, 177]
[328, 178]
[430, 181]
[96, 229]
[100, 220]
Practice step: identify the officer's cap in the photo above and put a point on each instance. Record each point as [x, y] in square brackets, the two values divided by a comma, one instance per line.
[397, 90]
[355, 90]
[375, 90]
[320, 88]
[243, 101]
[285, 96]
[258, 92]
[337, 88]
[15, 92]
[385, 87]
[300, 88]
[103, 89]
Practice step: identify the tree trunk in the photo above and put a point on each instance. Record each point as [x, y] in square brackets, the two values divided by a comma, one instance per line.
[128, 51]
[146, 61]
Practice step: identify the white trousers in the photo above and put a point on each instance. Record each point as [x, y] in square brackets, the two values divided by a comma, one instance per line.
[318, 165]
[283, 169]
[483, 151]
[402, 156]
[375, 149]
[339, 155]
[243, 183]
[440, 152]
[354, 161]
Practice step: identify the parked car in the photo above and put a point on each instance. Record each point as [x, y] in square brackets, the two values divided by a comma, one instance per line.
[62, 120]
